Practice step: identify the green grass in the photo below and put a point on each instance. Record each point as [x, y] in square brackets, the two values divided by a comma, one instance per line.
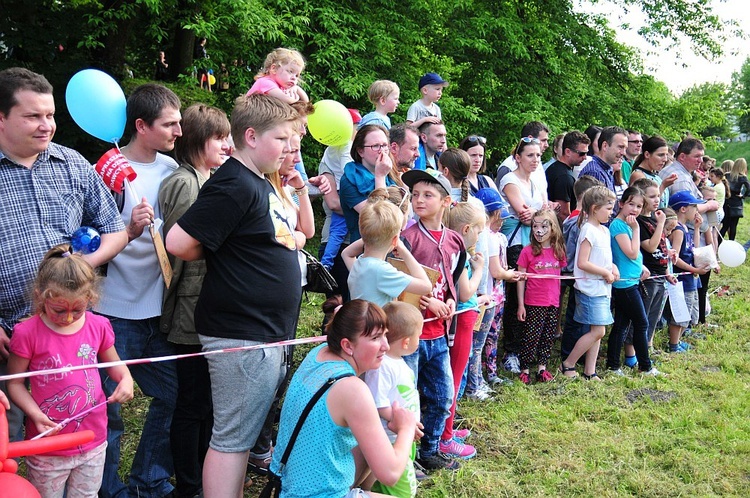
[574, 438]
[733, 150]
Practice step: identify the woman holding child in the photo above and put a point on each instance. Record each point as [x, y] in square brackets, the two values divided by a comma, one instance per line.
[342, 434]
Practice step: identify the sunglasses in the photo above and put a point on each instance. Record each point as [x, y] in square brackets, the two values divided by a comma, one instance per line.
[530, 140]
[477, 139]
[580, 154]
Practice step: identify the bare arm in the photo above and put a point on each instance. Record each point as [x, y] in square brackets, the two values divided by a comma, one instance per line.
[349, 255]
[120, 374]
[283, 96]
[183, 245]
[111, 245]
[650, 245]
[420, 283]
[350, 403]
[22, 397]
[305, 216]
[584, 252]
[332, 199]
[524, 212]
[521, 289]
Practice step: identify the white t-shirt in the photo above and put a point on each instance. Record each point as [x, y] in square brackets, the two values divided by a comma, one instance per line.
[418, 111]
[393, 381]
[533, 197]
[537, 176]
[601, 255]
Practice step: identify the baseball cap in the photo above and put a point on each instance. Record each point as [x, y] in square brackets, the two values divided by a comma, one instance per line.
[491, 200]
[683, 198]
[432, 79]
[414, 176]
[356, 116]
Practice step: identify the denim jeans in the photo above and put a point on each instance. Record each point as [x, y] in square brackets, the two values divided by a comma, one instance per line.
[628, 309]
[336, 235]
[654, 297]
[192, 421]
[432, 369]
[474, 377]
[152, 464]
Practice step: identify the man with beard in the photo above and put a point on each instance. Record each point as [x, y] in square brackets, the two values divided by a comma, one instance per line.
[404, 146]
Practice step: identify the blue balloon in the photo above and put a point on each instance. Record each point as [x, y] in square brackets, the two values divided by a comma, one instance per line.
[85, 240]
[97, 104]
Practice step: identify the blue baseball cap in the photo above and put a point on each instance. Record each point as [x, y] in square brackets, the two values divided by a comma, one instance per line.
[682, 199]
[432, 79]
[491, 199]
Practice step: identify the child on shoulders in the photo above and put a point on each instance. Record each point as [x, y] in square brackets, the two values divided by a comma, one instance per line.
[425, 109]
[384, 96]
[279, 77]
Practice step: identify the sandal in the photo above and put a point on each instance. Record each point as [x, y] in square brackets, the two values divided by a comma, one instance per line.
[564, 370]
[593, 376]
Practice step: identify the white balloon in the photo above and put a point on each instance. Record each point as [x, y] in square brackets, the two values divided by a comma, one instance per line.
[731, 253]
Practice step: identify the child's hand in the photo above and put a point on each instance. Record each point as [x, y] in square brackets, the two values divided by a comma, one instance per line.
[673, 255]
[322, 183]
[702, 271]
[123, 392]
[610, 277]
[484, 300]
[431, 119]
[4, 401]
[42, 423]
[401, 418]
[521, 313]
[672, 279]
[476, 261]
[660, 217]
[400, 249]
[698, 220]
[451, 307]
[645, 273]
[418, 432]
[424, 302]
[631, 221]
[516, 276]
[440, 309]
[616, 272]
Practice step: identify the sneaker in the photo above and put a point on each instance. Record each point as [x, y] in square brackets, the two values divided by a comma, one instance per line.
[524, 378]
[460, 435]
[684, 345]
[692, 334]
[544, 376]
[651, 373]
[454, 449]
[675, 348]
[259, 466]
[485, 388]
[630, 361]
[419, 472]
[616, 372]
[500, 381]
[438, 461]
[477, 395]
[512, 364]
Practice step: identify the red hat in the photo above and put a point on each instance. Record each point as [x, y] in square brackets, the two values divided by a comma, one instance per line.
[356, 116]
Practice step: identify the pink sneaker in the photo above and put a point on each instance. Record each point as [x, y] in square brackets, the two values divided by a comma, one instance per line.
[454, 449]
[524, 377]
[460, 435]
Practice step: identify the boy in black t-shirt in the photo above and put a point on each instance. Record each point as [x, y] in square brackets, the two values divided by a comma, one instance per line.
[238, 223]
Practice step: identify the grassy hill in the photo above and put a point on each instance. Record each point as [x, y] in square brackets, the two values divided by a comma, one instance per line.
[731, 151]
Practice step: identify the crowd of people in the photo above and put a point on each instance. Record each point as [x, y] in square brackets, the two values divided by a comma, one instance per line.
[446, 278]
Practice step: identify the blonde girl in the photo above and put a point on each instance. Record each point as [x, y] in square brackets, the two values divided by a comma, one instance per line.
[594, 272]
[468, 221]
[539, 298]
[280, 76]
[64, 333]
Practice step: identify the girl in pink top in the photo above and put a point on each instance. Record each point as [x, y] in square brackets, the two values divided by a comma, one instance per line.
[63, 333]
[539, 298]
[279, 77]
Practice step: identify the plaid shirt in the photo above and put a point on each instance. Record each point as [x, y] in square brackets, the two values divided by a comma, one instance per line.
[41, 207]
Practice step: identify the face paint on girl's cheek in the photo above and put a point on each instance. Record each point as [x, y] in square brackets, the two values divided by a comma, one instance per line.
[541, 230]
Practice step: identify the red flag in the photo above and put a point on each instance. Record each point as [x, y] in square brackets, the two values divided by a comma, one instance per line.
[114, 169]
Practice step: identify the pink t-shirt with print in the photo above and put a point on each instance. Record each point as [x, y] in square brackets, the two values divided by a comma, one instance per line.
[541, 291]
[64, 395]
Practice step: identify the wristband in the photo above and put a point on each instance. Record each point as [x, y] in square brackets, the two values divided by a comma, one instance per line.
[301, 191]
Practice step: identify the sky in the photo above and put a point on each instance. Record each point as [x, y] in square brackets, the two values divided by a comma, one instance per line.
[680, 75]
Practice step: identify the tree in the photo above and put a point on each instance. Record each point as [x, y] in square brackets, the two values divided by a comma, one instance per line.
[741, 96]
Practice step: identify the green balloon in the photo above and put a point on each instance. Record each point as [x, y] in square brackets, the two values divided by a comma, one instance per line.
[331, 123]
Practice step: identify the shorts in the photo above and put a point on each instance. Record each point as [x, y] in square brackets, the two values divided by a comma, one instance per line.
[593, 310]
[243, 385]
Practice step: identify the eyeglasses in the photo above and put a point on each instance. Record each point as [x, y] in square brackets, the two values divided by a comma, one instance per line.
[530, 140]
[377, 147]
[635, 141]
[477, 139]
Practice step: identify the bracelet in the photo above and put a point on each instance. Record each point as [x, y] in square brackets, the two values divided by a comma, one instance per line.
[301, 191]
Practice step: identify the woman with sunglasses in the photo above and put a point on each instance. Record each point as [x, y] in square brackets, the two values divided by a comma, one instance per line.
[476, 147]
[525, 198]
[371, 168]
